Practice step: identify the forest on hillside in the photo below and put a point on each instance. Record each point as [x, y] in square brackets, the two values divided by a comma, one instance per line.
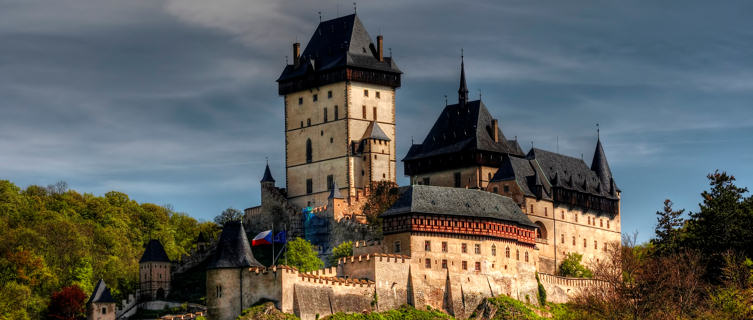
[54, 238]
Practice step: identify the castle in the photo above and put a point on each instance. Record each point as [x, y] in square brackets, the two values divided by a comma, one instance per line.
[479, 218]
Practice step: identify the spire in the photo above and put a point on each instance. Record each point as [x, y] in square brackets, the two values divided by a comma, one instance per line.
[101, 294]
[599, 164]
[267, 175]
[463, 90]
[154, 252]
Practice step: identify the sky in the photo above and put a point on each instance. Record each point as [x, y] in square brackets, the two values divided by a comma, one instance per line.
[175, 101]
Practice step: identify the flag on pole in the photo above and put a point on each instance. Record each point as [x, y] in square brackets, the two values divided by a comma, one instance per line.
[263, 238]
[281, 237]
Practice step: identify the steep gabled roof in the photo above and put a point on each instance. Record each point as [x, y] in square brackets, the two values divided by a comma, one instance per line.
[101, 294]
[154, 252]
[233, 250]
[461, 127]
[574, 172]
[457, 202]
[374, 131]
[338, 43]
[518, 169]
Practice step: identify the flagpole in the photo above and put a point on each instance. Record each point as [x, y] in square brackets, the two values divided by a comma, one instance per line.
[273, 244]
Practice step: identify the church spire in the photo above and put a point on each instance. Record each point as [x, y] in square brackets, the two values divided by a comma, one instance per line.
[463, 90]
[267, 175]
[599, 164]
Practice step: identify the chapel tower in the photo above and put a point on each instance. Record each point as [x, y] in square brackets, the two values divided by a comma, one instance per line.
[339, 114]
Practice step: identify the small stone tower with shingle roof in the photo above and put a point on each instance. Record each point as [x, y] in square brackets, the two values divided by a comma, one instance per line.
[101, 305]
[154, 272]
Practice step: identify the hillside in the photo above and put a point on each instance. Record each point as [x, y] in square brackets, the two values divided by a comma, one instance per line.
[54, 237]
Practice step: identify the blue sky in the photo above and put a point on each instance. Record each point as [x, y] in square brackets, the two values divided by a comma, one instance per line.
[174, 101]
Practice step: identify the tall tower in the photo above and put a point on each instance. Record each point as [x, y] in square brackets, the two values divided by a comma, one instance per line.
[154, 272]
[339, 113]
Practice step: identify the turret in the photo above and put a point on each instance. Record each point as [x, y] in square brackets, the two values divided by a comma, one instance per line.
[225, 273]
[600, 166]
[154, 272]
[463, 90]
[101, 305]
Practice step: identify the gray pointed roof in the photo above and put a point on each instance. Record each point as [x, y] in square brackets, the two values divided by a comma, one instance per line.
[600, 165]
[337, 43]
[233, 249]
[578, 176]
[101, 293]
[457, 202]
[335, 192]
[267, 175]
[154, 252]
[463, 90]
[375, 131]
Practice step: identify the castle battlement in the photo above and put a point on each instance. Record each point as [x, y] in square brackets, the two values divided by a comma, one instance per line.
[381, 257]
[273, 269]
[334, 281]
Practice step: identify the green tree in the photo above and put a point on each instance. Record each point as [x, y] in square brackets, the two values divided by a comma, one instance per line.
[227, 215]
[571, 267]
[343, 250]
[668, 229]
[300, 254]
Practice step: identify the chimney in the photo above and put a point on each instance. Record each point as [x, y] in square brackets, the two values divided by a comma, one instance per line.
[296, 53]
[495, 130]
[380, 48]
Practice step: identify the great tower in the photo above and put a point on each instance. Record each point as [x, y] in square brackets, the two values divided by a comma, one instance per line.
[339, 114]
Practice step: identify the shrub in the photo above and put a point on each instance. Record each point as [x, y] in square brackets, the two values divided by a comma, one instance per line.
[571, 267]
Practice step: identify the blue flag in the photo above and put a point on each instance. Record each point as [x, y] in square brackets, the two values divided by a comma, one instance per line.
[281, 237]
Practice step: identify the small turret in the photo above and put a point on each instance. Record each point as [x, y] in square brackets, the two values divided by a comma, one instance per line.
[101, 305]
[600, 166]
[154, 272]
[267, 178]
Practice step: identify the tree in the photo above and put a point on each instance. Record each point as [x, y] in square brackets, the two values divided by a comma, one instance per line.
[301, 254]
[571, 267]
[342, 250]
[383, 195]
[67, 304]
[668, 229]
[227, 215]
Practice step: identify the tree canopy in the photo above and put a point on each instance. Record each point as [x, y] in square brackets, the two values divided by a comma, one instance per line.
[53, 238]
[342, 250]
[300, 254]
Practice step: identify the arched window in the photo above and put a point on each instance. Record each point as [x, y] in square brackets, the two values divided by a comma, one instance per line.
[507, 252]
[308, 151]
[541, 232]
[494, 250]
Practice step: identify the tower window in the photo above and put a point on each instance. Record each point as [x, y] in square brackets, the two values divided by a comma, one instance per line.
[584, 243]
[325, 114]
[601, 223]
[301, 124]
[396, 246]
[526, 256]
[464, 248]
[336, 113]
[478, 266]
[562, 238]
[309, 186]
[444, 263]
[309, 151]
[506, 188]
[465, 265]
[517, 254]
[477, 248]
[444, 246]
[300, 100]
[427, 245]
[507, 252]
[375, 113]
[427, 263]
[329, 94]
[456, 177]
[308, 122]
[364, 111]
[331, 140]
[316, 97]
[330, 182]
[219, 291]
[573, 240]
[596, 244]
[494, 250]
[546, 211]
[531, 209]
[607, 224]
[377, 95]
[365, 93]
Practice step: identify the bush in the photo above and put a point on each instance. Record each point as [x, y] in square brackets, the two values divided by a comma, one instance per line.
[343, 250]
[571, 267]
[542, 291]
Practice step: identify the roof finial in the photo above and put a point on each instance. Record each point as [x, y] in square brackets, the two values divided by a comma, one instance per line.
[320, 16]
[354, 8]
[390, 49]
[598, 136]
[445, 100]
[463, 90]
[267, 158]
[479, 95]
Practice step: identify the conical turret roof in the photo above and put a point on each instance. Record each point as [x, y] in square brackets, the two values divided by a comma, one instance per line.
[267, 175]
[233, 250]
[600, 166]
[154, 252]
[101, 293]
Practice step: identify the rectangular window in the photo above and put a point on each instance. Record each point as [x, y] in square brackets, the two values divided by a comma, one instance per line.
[531, 209]
[596, 244]
[444, 246]
[316, 97]
[456, 176]
[573, 240]
[563, 214]
[506, 188]
[601, 223]
[337, 113]
[396, 245]
[300, 100]
[375, 113]
[330, 181]
[427, 181]
[309, 186]
[364, 111]
[607, 224]
[219, 291]
[377, 95]
[584, 244]
[329, 94]
[464, 248]
[495, 190]
[465, 265]
[427, 245]
[427, 263]
[444, 264]
[546, 211]
[477, 248]
[325, 115]
[365, 93]
[562, 239]
[478, 266]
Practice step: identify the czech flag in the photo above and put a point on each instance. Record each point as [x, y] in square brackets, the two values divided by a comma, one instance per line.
[263, 238]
